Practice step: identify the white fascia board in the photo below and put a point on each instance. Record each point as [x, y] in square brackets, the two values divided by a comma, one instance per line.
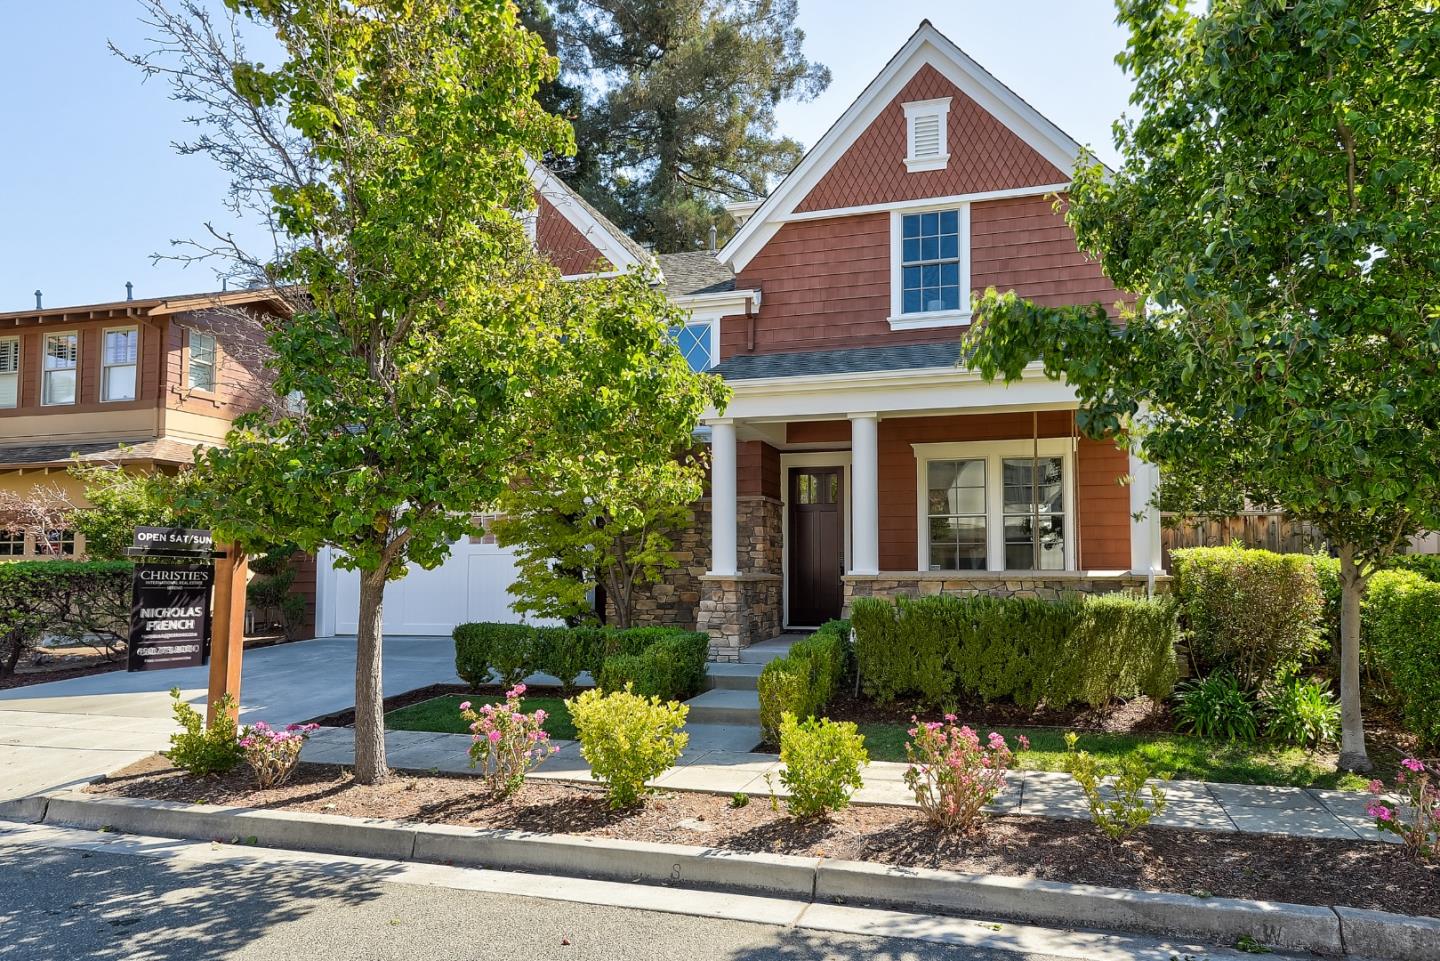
[926, 45]
[717, 301]
[934, 391]
[925, 203]
[562, 198]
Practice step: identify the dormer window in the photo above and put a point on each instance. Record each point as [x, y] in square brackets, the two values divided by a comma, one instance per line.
[927, 140]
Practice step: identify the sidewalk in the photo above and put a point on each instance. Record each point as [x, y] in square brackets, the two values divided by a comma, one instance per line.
[1199, 805]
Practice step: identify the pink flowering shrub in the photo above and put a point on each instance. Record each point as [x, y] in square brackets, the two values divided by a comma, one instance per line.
[1420, 785]
[273, 755]
[505, 742]
[953, 773]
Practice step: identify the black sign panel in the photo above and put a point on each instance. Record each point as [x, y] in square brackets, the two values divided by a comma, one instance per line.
[173, 539]
[170, 616]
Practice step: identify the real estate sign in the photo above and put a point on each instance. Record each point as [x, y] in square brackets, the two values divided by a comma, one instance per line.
[170, 600]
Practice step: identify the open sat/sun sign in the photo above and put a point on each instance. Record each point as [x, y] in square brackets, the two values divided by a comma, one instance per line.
[170, 606]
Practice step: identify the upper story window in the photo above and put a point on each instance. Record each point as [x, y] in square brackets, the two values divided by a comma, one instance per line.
[122, 352]
[9, 371]
[62, 354]
[930, 268]
[12, 543]
[201, 373]
[697, 343]
[927, 135]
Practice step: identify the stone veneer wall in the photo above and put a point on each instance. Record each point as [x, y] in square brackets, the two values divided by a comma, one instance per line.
[675, 600]
[1049, 585]
[748, 608]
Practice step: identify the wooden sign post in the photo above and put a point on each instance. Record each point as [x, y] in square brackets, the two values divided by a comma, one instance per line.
[227, 638]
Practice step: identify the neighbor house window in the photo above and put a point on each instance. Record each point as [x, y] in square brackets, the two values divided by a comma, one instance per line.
[996, 505]
[122, 350]
[9, 371]
[202, 361]
[62, 352]
[930, 268]
[697, 344]
[1034, 513]
[61, 543]
[956, 496]
[12, 543]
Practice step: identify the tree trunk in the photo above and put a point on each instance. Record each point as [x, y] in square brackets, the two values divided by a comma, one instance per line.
[370, 766]
[1352, 723]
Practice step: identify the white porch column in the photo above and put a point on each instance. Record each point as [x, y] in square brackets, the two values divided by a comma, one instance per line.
[722, 497]
[1145, 519]
[864, 494]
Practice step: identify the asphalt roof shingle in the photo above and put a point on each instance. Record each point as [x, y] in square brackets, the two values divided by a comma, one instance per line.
[164, 449]
[695, 272]
[854, 360]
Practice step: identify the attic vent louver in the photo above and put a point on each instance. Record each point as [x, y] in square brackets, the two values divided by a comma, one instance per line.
[925, 135]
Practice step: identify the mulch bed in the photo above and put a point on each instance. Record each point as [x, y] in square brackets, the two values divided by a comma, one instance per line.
[1255, 867]
[496, 692]
[26, 676]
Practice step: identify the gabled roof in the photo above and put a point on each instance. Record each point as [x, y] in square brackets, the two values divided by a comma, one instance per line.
[618, 247]
[926, 45]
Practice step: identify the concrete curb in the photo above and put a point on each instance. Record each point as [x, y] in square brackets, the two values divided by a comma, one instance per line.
[1216, 920]
[1332, 931]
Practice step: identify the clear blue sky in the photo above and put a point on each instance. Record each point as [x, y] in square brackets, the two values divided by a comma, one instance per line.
[90, 187]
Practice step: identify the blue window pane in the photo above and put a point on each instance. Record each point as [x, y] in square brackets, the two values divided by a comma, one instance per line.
[931, 275]
[949, 245]
[948, 221]
[950, 298]
[931, 224]
[912, 225]
[912, 302]
[930, 249]
[912, 278]
[693, 341]
[950, 274]
[912, 250]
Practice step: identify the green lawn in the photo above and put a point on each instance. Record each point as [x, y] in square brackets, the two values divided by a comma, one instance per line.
[443, 714]
[1188, 758]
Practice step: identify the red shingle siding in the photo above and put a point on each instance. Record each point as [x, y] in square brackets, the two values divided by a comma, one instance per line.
[1025, 246]
[1104, 506]
[984, 155]
[565, 246]
[757, 469]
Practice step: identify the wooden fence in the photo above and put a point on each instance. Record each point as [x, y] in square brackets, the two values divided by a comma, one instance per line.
[1265, 530]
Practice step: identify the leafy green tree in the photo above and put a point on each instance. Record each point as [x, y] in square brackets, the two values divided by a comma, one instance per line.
[388, 147]
[630, 402]
[679, 115]
[121, 500]
[1275, 215]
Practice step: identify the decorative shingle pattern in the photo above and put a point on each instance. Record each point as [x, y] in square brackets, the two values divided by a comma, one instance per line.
[695, 272]
[984, 155]
[562, 243]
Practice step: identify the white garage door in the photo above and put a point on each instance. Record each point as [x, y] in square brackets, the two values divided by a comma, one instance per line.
[469, 586]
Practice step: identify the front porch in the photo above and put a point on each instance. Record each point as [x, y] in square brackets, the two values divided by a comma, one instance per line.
[911, 489]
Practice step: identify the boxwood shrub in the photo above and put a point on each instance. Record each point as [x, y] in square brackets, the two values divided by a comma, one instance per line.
[1401, 632]
[1085, 649]
[1251, 613]
[665, 662]
[805, 680]
[82, 599]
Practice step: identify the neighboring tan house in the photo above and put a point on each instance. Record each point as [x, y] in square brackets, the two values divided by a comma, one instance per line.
[856, 458]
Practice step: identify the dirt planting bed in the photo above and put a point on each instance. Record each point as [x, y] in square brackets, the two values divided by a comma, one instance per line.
[1206, 864]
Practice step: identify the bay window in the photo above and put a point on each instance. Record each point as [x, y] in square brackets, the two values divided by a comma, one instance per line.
[996, 506]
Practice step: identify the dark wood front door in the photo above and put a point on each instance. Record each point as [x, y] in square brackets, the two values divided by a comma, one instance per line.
[817, 544]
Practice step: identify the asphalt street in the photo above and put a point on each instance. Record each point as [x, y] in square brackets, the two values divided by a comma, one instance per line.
[67, 903]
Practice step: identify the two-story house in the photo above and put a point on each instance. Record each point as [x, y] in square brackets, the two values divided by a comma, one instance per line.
[857, 457]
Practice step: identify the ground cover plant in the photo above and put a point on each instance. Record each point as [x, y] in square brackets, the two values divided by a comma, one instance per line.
[1255, 866]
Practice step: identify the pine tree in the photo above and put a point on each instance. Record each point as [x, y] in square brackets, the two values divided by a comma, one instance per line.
[678, 113]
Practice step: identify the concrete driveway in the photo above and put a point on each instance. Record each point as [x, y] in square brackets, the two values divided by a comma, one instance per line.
[69, 732]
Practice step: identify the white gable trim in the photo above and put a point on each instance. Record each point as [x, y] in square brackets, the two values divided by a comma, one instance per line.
[926, 45]
[562, 198]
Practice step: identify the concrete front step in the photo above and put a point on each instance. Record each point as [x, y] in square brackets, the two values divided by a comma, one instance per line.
[721, 706]
[729, 676]
[767, 651]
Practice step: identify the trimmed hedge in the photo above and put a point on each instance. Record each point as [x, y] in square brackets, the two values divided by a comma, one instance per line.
[1401, 631]
[1086, 649]
[805, 679]
[1251, 613]
[662, 661]
[81, 599]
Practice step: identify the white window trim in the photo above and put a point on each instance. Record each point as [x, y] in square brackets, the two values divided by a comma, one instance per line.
[19, 366]
[713, 320]
[45, 371]
[105, 365]
[190, 335]
[993, 452]
[916, 110]
[823, 458]
[924, 320]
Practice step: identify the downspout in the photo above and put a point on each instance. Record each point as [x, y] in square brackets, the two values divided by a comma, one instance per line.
[752, 310]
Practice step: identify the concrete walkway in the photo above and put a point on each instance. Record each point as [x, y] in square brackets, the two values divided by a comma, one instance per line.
[69, 732]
